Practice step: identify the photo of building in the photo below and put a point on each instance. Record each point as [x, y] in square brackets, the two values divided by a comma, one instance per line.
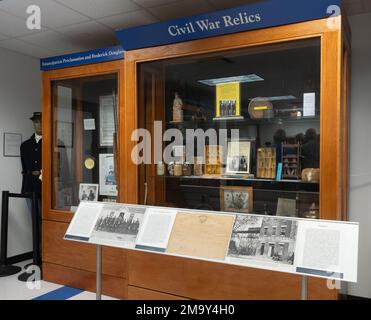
[272, 239]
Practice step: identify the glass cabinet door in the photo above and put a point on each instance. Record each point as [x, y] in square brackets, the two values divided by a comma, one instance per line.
[257, 111]
[84, 140]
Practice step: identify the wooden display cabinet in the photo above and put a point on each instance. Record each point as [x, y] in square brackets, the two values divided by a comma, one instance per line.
[70, 96]
[143, 91]
[146, 93]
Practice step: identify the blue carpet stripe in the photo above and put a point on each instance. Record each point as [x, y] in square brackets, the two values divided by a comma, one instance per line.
[63, 293]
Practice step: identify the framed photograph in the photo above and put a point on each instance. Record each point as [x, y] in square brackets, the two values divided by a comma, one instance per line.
[238, 157]
[12, 144]
[88, 192]
[107, 175]
[236, 199]
[106, 120]
[64, 134]
[228, 100]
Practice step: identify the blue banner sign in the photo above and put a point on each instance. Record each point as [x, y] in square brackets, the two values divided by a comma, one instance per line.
[264, 14]
[81, 58]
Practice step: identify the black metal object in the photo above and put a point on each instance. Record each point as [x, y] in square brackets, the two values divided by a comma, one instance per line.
[35, 239]
[35, 229]
[5, 269]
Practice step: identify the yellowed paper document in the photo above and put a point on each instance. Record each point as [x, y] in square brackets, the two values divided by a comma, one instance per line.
[201, 235]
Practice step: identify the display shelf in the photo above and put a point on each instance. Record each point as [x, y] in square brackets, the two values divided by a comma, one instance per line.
[265, 190]
[211, 177]
[241, 122]
[274, 186]
[228, 118]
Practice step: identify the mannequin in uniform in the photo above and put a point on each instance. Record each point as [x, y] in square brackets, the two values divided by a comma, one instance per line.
[31, 158]
[31, 165]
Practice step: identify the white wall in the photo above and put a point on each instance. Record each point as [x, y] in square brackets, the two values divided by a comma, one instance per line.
[360, 148]
[20, 96]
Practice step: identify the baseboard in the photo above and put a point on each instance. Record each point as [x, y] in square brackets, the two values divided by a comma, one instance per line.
[357, 298]
[350, 297]
[19, 258]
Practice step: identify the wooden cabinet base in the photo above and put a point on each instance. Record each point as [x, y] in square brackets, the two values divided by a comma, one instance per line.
[215, 281]
[81, 279]
[136, 293]
[77, 255]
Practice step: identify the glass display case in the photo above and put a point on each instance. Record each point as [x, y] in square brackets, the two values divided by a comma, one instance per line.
[81, 125]
[85, 123]
[255, 111]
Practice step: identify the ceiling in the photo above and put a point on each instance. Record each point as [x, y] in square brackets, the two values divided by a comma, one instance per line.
[78, 25]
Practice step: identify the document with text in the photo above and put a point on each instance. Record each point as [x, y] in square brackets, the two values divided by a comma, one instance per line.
[156, 228]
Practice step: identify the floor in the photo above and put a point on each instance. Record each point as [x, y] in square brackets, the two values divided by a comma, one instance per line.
[13, 289]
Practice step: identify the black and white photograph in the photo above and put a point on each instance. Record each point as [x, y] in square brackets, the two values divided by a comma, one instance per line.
[228, 108]
[88, 192]
[263, 239]
[236, 199]
[107, 175]
[238, 157]
[119, 224]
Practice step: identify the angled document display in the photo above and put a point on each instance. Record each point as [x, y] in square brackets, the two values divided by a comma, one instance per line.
[318, 248]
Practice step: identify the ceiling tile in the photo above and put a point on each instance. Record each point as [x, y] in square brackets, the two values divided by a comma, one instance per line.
[128, 20]
[181, 8]
[91, 34]
[100, 8]
[53, 15]
[89, 28]
[12, 26]
[54, 41]
[25, 48]
[2, 37]
[153, 3]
